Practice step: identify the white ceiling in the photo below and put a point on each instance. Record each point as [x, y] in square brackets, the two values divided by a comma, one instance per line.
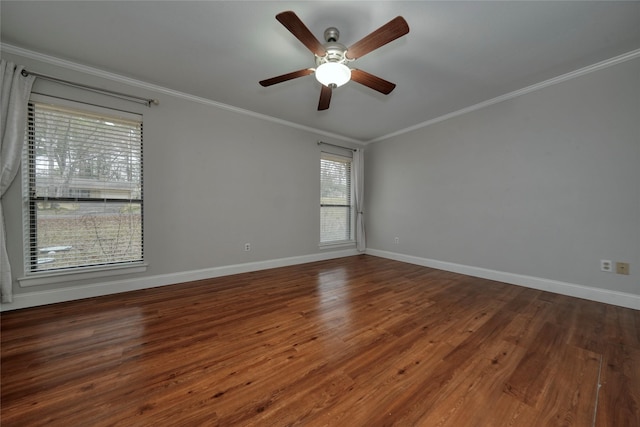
[456, 54]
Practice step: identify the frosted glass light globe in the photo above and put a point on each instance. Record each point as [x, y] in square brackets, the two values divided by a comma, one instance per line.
[333, 73]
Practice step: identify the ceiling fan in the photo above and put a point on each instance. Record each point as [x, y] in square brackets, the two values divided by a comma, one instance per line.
[332, 57]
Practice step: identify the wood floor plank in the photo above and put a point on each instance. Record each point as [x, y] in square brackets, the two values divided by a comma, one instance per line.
[569, 399]
[357, 341]
[619, 401]
[480, 376]
[507, 411]
[537, 367]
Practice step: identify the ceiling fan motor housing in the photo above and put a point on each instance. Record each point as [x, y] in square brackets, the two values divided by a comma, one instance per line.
[335, 51]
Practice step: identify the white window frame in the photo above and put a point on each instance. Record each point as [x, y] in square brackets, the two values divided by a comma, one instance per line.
[36, 278]
[350, 241]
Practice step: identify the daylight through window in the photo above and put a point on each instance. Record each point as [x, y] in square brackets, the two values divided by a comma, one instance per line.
[336, 211]
[83, 178]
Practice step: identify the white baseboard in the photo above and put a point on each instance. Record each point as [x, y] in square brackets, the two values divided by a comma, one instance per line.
[570, 289]
[51, 296]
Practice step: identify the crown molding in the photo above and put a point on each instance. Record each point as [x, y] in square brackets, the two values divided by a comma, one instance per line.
[166, 91]
[537, 86]
[63, 63]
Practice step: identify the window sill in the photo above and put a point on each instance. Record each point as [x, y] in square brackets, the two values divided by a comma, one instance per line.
[336, 245]
[49, 278]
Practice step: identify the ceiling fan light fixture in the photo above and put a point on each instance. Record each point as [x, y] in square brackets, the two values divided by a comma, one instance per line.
[331, 57]
[333, 74]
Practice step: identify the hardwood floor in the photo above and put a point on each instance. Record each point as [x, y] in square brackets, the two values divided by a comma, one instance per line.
[358, 341]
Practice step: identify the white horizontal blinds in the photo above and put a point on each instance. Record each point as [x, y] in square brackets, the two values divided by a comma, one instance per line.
[335, 198]
[84, 155]
[85, 188]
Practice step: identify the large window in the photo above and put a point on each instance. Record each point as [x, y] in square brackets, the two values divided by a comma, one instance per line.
[82, 174]
[336, 210]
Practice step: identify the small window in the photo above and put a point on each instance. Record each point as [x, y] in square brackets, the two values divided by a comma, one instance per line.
[336, 210]
[82, 174]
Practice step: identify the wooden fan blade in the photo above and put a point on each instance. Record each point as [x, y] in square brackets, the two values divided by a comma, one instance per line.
[374, 82]
[325, 98]
[285, 77]
[292, 23]
[390, 31]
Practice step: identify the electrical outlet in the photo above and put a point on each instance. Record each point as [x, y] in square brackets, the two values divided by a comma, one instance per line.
[247, 247]
[396, 240]
[606, 265]
[622, 268]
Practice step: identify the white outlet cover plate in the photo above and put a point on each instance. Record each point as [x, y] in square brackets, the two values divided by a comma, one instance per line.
[606, 265]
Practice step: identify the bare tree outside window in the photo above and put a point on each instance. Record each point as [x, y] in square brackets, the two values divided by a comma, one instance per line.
[84, 178]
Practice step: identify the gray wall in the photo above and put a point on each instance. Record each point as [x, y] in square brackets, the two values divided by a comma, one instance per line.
[543, 185]
[213, 180]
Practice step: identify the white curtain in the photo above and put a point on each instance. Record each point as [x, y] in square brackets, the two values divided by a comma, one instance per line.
[15, 96]
[358, 166]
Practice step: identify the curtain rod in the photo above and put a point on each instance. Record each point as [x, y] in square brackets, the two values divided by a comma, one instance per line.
[338, 146]
[127, 97]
